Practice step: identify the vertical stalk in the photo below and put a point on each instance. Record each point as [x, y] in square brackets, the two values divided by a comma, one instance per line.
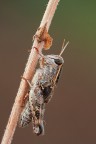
[28, 73]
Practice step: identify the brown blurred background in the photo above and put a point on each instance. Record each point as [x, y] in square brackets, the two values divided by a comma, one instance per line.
[71, 115]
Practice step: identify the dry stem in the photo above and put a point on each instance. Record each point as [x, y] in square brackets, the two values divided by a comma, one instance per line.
[28, 73]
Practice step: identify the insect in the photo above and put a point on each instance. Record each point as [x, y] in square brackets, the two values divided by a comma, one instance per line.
[41, 91]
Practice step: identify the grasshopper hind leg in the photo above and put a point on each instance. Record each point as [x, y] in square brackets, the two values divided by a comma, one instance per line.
[26, 116]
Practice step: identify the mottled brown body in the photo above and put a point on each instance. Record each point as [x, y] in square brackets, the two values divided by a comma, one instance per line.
[41, 92]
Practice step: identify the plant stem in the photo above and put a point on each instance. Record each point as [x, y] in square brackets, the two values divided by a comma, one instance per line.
[28, 74]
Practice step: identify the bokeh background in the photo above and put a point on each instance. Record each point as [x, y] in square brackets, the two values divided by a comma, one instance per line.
[71, 115]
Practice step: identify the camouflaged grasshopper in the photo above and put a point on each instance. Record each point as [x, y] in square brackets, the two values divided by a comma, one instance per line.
[41, 90]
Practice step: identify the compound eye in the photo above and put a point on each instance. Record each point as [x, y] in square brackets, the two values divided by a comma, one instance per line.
[58, 61]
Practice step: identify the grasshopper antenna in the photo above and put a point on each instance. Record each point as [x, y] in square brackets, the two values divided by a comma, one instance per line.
[63, 47]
